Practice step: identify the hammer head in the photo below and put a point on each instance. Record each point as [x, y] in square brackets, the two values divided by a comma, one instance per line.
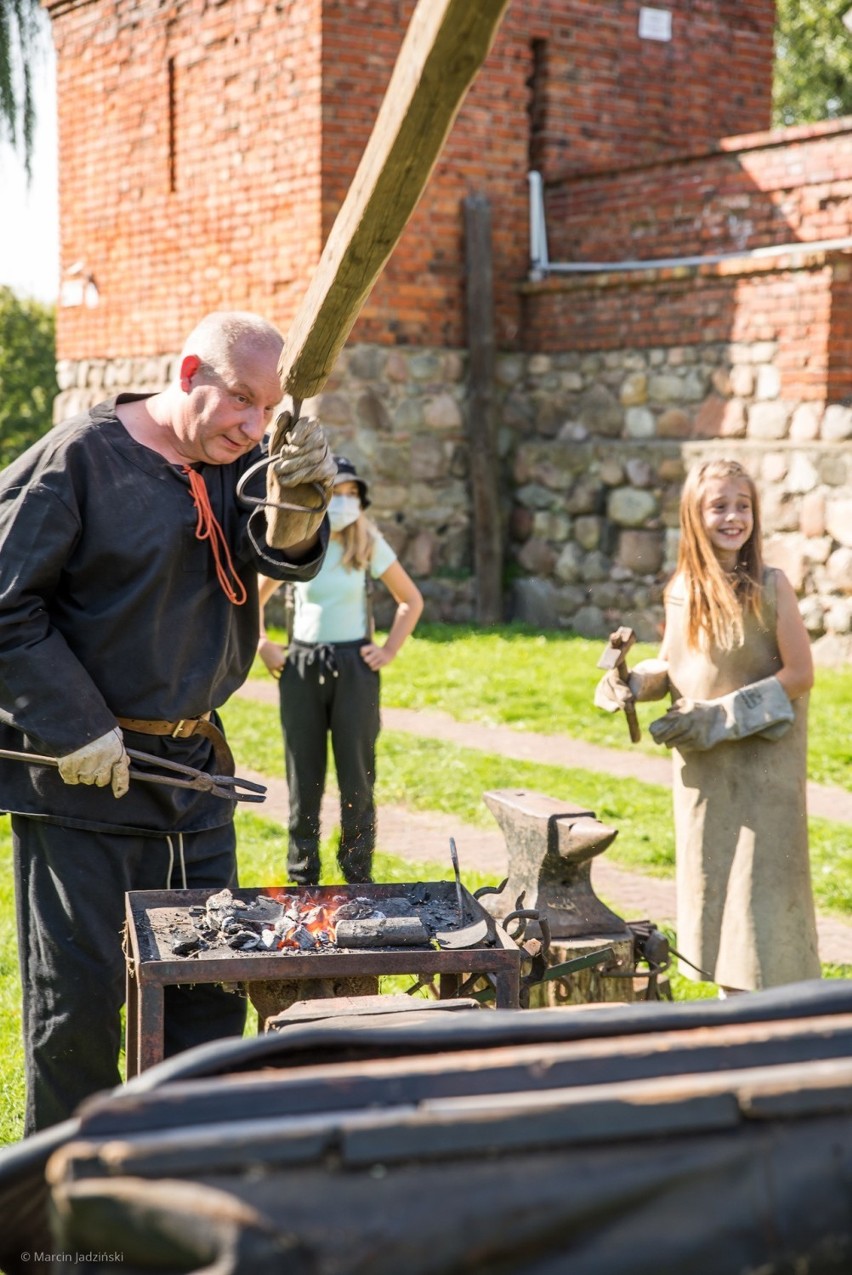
[616, 648]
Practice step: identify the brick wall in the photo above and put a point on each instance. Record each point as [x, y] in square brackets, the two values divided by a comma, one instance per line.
[205, 149]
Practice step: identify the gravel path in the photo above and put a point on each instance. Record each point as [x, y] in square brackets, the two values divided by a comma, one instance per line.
[424, 836]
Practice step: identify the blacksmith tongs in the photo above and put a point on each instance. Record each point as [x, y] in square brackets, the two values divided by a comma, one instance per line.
[230, 787]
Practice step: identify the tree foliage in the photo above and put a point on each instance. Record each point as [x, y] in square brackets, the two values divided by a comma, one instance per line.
[21, 29]
[27, 372]
[813, 62]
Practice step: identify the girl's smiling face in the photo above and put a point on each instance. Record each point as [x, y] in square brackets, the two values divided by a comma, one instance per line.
[728, 517]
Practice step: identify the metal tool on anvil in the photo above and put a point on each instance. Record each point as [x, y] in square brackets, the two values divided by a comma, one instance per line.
[613, 657]
[229, 787]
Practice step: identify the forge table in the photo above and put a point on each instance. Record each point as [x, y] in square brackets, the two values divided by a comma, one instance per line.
[156, 917]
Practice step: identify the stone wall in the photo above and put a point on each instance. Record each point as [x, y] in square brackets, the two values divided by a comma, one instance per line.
[594, 448]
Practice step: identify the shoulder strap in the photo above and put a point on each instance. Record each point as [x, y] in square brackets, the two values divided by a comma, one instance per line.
[289, 608]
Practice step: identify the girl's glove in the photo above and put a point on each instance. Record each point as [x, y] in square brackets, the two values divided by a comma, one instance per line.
[649, 680]
[299, 480]
[762, 708]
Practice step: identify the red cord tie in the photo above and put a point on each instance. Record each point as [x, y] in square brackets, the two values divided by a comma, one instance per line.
[207, 528]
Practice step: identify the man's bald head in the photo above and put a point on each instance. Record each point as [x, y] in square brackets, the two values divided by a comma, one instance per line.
[217, 340]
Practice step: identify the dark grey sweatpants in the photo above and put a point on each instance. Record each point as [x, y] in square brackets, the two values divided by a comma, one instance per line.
[329, 689]
[70, 886]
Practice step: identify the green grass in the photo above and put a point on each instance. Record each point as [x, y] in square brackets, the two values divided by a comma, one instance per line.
[513, 676]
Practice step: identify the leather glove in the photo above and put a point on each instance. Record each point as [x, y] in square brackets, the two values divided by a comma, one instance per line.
[649, 680]
[761, 708]
[300, 478]
[101, 762]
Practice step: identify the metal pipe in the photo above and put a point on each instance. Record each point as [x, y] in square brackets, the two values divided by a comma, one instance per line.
[541, 266]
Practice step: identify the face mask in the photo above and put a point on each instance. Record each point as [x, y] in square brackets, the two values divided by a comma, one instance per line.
[343, 510]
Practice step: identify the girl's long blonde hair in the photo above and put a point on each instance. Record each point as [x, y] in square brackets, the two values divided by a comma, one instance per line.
[717, 602]
[357, 540]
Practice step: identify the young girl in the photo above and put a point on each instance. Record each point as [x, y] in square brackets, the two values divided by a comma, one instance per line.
[739, 671]
[330, 681]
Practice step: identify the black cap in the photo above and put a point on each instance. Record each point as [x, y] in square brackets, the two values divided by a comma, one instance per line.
[346, 472]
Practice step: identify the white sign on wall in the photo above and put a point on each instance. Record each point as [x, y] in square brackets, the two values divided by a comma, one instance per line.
[655, 24]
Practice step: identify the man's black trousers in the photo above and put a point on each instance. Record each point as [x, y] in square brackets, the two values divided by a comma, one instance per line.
[329, 689]
[70, 886]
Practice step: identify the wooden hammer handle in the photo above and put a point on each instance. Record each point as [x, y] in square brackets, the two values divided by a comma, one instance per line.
[630, 709]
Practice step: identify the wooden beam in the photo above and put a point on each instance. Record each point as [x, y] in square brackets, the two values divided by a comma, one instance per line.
[445, 45]
[484, 468]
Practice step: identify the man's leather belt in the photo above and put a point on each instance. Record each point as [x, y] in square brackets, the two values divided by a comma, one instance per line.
[184, 729]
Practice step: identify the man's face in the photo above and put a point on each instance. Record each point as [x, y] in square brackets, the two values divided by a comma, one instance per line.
[227, 413]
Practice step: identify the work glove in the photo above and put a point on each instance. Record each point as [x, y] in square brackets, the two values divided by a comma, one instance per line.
[300, 478]
[761, 708]
[101, 762]
[649, 680]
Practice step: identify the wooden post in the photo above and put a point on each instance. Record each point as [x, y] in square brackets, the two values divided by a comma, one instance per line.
[484, 466]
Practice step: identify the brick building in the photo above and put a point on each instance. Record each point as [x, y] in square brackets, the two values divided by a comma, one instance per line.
[206, 147]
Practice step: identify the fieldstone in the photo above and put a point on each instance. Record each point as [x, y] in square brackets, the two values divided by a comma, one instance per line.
[768, 420]
[539, 364]
[589, 622]
[425, 366]
[774, 467]
[787, 553]
[812, 514]
[768, 385]
[839, 569]
[420, 554]
[534, 602]
[551, 526]
[335, 409]
[605, 594]
[583, 498]
[639, 422]
[641, 551]
[534, 496]
[818, 549]
[408, 417]
[838, 520]
[569, 564]
[634, 389]
[665, 388]
[600, 412]
[572, 432]
[573, 382]
[596, 566]
[742, 380]
[711, 415]
[640, 472]
[694, 386]
[833, 470]
[454, 366]
[587, 531]
[631, 507]
[371, 413]
[442, 412]
[367, 362]
[802, 474]
[396, 367]
[838, 617]
[674, 423]
[804, 423]
[837, 423]
[612, 472]
[813, 616]
[509, 369]
[720, 379]
[427, 457]
[537, 557]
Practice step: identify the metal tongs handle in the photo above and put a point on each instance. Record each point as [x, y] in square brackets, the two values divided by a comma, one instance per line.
[229, 787]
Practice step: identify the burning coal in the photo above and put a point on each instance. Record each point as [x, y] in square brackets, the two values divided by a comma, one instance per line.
[300, 923]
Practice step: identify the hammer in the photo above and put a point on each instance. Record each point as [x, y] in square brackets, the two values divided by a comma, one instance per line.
[617, 647]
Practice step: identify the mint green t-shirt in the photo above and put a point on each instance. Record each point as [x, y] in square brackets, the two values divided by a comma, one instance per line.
[333, 606]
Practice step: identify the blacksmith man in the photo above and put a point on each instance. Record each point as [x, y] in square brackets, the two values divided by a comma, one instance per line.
[128, 615]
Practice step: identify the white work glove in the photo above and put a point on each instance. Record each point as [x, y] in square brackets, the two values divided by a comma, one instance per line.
[302, 474]
[101, 762]
[649, 680]
[761, 708]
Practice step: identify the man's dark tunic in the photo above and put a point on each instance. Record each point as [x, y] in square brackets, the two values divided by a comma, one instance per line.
[110, 606]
